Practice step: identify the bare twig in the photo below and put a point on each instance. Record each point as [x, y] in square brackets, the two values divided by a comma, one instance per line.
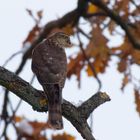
[89, 63]
[10, 58]
[83, 33]
[92, 68]
[134, 3]
[5, 115]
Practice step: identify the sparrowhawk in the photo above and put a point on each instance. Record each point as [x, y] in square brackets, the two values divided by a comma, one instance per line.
[49, 63]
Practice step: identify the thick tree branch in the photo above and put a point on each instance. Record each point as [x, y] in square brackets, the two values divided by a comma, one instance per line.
[118, 20]
[76, 115]
[88, 106]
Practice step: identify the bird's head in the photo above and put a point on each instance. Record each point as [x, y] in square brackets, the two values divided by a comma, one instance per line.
[61, 39]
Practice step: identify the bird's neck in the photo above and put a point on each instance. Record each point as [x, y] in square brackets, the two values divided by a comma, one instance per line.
[53, 43]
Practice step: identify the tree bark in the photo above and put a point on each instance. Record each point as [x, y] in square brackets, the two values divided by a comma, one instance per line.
[76, 115]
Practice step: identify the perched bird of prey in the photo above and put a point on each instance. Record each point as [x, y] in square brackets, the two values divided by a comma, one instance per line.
[49, 64]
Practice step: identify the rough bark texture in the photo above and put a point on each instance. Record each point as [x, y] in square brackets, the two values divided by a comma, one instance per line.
[76, 115]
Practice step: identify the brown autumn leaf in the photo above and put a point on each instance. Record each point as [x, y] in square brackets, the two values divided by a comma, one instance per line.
[95, 49]
[122, 8]
[92, 9]
[18, 119]
[32, 34]
[125, 81]
[135, 12]
[98, 35]
[137, 101]
[106, 1]
[75, 65]
[35, 130]
[126, 54]
[122, 5]
[68, 29]
[89, 71]
[135, 31]
[111, 26]
[38, 126]
[126, 50]
[42, 138]
[136, 56]
[122, 65]
[97, 43]
[100, 64]
[39, 14]
[39, 137]
[91, 50]
[63, 136]
[98, 50]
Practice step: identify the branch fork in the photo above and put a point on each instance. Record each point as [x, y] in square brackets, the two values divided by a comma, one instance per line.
[76, 115]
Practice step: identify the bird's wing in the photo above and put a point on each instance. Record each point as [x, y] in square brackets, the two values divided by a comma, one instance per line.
[49, 64]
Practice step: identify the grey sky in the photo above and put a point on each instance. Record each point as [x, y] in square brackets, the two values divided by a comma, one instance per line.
[115, 120]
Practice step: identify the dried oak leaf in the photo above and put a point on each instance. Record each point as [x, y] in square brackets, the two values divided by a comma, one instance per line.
[122, 65]
[92, 9]
[35, 31]
[111, 26]
[137, 101]
[18, 119]
[68, 29]
[32, 35]
[63, 136]
[38, 126]
[97, 50]
[125, 81]
[75, 65]
[135, 31]
[122, 8]
[39, 14]
[126, 53]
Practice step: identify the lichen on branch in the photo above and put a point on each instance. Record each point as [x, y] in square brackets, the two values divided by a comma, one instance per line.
[76, 115]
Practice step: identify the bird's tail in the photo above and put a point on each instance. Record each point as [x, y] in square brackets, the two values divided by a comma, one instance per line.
[55, 116]
[54, 96]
